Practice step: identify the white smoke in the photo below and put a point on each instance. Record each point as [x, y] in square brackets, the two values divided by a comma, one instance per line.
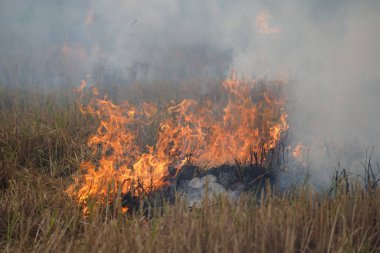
[196, 189]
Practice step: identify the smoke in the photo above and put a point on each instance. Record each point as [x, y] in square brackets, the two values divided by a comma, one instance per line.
[328, 49]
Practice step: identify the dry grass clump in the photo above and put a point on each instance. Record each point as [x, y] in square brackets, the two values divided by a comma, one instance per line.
[36, 216]
[42, 142]
[43, 132]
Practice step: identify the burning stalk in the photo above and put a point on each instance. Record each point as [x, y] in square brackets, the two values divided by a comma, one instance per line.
[246, 125]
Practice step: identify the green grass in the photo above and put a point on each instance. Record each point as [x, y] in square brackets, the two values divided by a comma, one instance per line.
[42, 143]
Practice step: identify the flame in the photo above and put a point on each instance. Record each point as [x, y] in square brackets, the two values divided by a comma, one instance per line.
[249, 120]
[297, 152]
[73, 51]
[89, 17]
[262, 24]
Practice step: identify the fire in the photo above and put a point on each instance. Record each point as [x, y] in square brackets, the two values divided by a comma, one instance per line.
[73, 51]
[128, 158]
[297, 152]
[89, 17]
[262, 24]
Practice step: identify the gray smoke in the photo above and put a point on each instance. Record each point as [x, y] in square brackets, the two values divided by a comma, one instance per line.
[194, 190]
[328, 49]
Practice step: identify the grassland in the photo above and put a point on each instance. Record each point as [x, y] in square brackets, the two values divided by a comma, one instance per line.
[42, 143]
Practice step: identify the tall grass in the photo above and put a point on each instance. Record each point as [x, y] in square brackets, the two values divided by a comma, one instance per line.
[42, 142]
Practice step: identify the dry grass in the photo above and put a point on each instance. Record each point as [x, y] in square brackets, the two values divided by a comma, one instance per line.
[42, 142]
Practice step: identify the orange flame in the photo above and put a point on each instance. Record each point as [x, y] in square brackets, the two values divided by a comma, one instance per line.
[89, 17]
[262, 24]
[73, 51]
[297, 152]
[251, 119]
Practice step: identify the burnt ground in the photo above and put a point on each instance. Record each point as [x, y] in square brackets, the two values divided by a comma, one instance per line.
[191, 182]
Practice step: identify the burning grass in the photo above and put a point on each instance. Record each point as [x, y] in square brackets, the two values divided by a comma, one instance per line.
[245, 123]
[43, 142]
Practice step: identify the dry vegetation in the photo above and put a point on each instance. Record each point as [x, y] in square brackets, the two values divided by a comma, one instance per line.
[42, 142]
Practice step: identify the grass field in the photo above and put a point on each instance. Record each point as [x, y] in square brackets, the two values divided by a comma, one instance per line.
[43, 139]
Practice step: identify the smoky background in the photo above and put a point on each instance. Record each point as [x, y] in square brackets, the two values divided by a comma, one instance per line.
[329, 51]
